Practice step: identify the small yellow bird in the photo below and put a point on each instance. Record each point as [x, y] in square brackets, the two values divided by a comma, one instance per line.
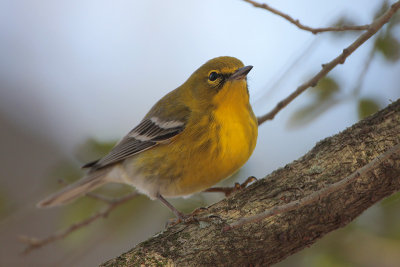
[192, 138]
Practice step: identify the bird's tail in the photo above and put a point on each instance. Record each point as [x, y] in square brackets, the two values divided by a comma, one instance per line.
[75, 190]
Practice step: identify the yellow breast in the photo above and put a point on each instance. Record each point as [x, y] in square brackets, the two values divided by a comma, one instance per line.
[219, 144]
[237, 130]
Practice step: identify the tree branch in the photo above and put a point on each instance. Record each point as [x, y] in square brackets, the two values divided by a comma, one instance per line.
[326, 68]
[35, 243]
[316, 195]
[272, 239]
[304, 27]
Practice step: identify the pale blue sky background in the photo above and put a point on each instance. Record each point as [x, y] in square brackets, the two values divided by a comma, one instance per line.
[70, 70]
[93, 68]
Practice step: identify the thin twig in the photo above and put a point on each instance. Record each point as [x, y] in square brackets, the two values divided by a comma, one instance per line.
[304, 27]
[335, 187]
[326, 68]
[35, 243]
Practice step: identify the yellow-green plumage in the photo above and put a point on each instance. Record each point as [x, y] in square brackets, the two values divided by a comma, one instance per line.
[219, 136]
[192, 138]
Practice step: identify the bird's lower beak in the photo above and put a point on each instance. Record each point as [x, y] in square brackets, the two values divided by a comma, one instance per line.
[241, 73]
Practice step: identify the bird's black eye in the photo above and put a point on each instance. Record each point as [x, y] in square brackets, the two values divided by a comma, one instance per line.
[213, 76]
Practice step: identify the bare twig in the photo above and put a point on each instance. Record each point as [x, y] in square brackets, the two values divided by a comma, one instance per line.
[326, 68]
[304, 27]
[316, 195]
[35, 243]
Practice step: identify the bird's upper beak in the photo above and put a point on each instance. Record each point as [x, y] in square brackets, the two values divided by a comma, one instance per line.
[241, 73]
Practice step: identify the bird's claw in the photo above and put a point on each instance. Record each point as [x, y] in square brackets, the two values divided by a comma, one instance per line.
[187, 218]
[229, 190]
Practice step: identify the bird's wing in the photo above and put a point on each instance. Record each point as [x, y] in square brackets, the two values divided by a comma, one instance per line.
[166, 119]
[147, 134]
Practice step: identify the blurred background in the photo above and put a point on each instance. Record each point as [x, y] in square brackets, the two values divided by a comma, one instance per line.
[75, 76]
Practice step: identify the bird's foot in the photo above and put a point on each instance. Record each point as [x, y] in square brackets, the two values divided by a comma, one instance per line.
[229, 190]
[188, 218]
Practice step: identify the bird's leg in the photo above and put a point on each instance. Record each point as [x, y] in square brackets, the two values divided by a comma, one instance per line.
[177, 213]
[181, 217]
[229, 190]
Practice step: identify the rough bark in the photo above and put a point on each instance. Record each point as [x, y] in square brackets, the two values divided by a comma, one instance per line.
[273, 239]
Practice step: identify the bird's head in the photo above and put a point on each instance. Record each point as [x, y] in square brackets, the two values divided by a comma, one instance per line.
[220, 79]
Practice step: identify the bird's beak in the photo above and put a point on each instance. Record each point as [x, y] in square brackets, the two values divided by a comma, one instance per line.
[241, 73]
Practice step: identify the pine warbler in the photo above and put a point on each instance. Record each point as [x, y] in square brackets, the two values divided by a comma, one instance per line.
[192, 138]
